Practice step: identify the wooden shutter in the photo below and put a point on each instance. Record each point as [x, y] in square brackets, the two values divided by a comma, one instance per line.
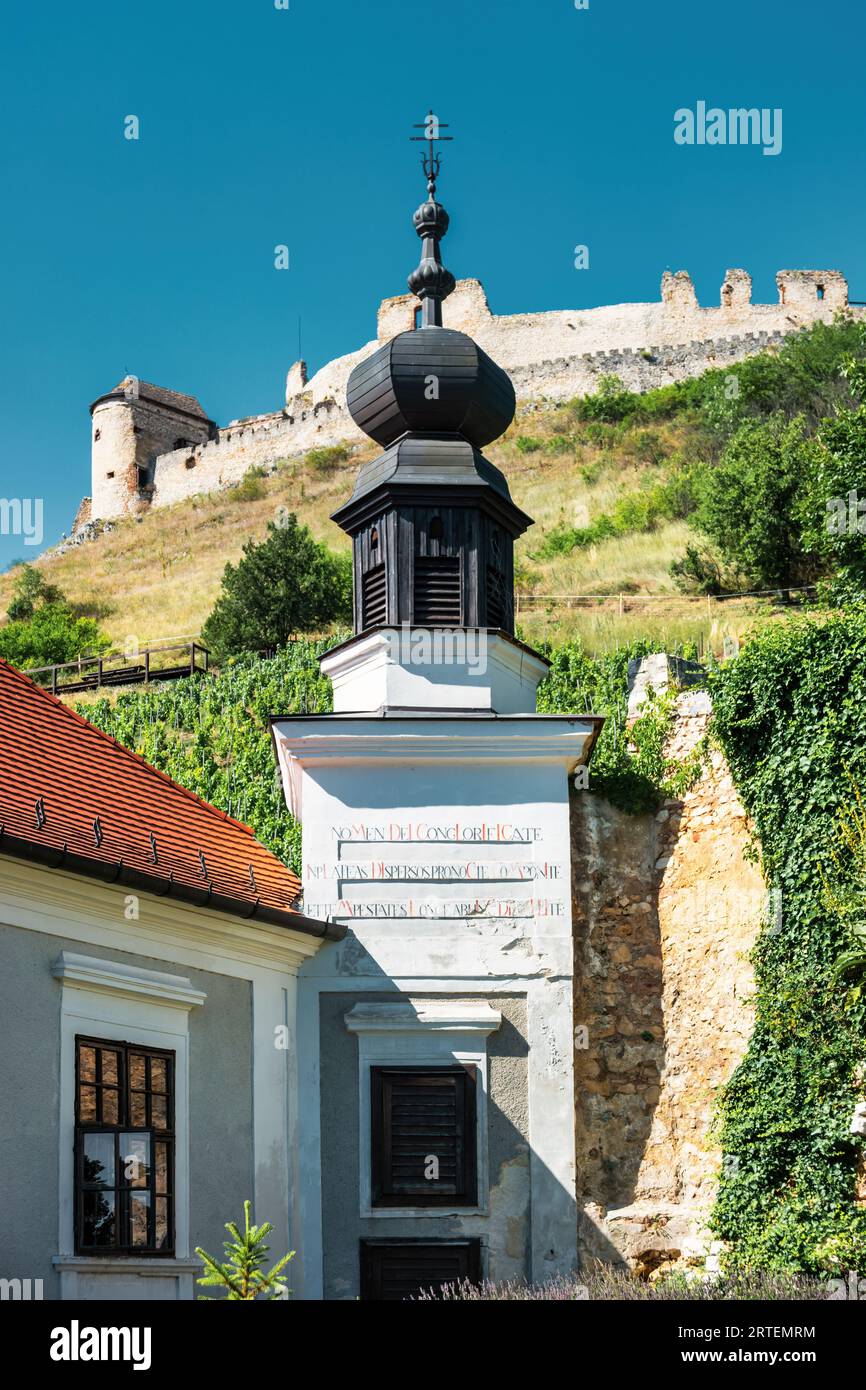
[373, 597]
[399, 1269]
[437, 591]
[421, 1114]
[496, 616]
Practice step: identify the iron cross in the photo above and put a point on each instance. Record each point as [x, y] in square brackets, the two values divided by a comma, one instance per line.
[430, 161]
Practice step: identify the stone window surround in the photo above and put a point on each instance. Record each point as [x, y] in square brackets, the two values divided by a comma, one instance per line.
[116, 1001]
[423, 1032]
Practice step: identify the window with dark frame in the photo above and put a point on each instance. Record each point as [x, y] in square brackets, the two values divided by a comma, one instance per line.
[124, 1149]
[423, 1136]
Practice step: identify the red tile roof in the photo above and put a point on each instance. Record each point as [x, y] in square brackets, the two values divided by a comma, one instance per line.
[74, 797]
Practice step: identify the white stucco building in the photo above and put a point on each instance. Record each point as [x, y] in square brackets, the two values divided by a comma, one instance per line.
[149, 956]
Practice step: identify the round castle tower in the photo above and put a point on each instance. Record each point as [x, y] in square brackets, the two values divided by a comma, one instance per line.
[132, 426]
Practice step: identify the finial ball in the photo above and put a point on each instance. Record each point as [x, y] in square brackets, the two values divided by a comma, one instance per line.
[431, 219]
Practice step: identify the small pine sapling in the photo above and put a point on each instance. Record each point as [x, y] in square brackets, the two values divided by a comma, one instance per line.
[242, 1275]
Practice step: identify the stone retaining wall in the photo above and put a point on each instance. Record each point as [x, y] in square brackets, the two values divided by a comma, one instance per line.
[667, 908]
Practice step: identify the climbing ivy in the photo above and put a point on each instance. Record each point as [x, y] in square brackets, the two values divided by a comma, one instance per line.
[790, 714]
[629, 766]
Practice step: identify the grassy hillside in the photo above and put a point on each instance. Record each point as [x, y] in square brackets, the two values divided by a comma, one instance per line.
[157, 578]
[611, 482]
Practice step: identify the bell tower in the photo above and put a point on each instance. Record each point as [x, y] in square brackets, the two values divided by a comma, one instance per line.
[436, 826]
[432, 520]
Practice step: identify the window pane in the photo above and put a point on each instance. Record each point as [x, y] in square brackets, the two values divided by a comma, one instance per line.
[97, 1159]
[139, 1207]
[135, 1157]
[109, 1067]
[87, 1105]
[110, 1109]
[162, 1168]
[98, 1219]
[163, 1239]
[124, 1179]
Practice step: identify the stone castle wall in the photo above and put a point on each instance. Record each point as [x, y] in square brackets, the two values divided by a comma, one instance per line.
[257, 442]
[667, 908]
[554, 355]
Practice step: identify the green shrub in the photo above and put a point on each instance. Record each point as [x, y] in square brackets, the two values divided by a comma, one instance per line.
[325, 460]
[53, 635]
[602, 435]
[804, 376]
[43, 629]
[646, 446]
[559, 444]
[29, 592]
[672, 498]
[698, 572]
[610, 403]
[250, 488]
[578, 684]
[749, 505]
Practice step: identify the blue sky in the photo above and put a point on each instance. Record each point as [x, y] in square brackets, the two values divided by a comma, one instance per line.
[261, 126]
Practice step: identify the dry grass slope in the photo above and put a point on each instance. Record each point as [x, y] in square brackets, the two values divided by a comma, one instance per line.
[157, 579]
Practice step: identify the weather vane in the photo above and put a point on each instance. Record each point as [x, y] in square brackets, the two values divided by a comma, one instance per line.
[430, 161]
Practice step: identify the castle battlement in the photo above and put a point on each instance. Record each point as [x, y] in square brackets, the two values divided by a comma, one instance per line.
[152, 446]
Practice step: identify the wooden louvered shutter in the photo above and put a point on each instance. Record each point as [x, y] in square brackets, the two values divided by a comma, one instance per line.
[420, 1114]
[398, 1269]
[496, 614]
[437, 591]
[373, 597]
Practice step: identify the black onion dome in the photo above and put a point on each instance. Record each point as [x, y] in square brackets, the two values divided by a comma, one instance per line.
[413, 459]
[431, 380]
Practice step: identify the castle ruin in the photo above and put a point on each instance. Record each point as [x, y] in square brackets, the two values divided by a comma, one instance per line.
[152, 446]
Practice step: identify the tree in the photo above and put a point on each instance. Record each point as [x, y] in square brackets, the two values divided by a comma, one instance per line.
[242, 1275]
[31, 591]
[53, 635]
[750, 503]
[287, 584]
[832, 510]
[43, 629]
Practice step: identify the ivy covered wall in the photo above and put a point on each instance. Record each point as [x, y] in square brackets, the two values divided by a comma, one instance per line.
[790, 714]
